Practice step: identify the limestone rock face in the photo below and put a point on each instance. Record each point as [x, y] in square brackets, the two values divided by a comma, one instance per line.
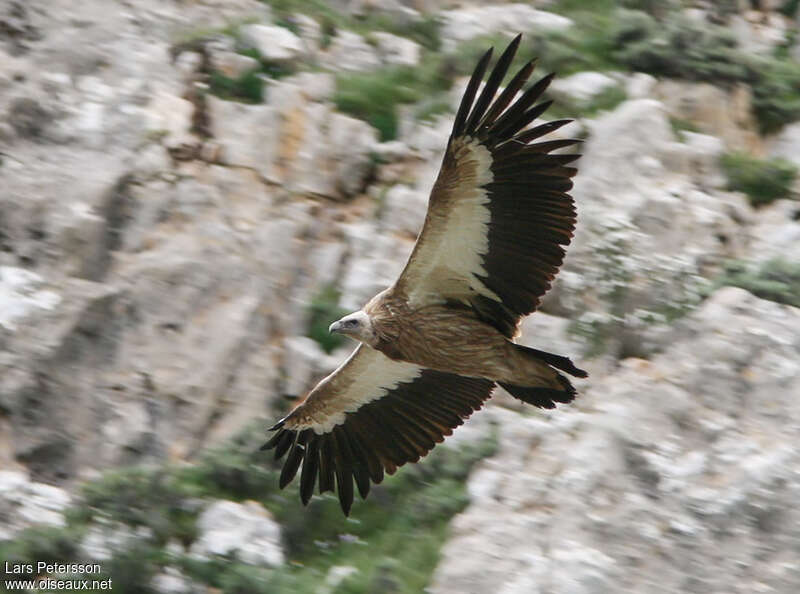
[396, 50]
[160, 249]
[350, 52]
[670, 475]
[650, 229]
[723, 113]
[581, 86]
[469, 22]
[295, 141]
[243, 530]
[776, 232]
[274, 44]
[786, 144]
[24, 502]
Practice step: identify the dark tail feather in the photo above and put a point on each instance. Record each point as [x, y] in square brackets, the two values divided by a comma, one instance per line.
[542, 397]
[557, 361]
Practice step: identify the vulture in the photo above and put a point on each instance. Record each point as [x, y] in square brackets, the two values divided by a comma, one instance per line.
[435, 344]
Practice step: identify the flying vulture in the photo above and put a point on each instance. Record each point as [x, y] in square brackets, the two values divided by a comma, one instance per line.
[434, 345]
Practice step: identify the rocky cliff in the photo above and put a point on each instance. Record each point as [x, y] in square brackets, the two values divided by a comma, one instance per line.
[190, 190]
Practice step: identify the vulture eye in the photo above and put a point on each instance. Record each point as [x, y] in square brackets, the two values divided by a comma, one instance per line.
[350, 323]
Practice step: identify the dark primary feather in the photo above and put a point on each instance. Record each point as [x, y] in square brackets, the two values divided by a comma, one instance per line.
[493, 83]
[308, 477]
[508, 94]
[469, 95]
[532, 214]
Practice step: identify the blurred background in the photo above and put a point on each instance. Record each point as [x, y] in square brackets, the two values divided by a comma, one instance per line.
[191, 190]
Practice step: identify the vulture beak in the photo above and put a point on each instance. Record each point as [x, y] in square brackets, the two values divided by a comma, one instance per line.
[335, 327]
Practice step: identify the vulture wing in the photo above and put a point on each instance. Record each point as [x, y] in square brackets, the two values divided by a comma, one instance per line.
[499, 212]
[371, 415]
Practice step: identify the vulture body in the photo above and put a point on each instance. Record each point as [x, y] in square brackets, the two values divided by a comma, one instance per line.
[435, 344]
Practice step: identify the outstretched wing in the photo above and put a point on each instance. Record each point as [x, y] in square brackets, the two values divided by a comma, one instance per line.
[371, 414]
[499, 212]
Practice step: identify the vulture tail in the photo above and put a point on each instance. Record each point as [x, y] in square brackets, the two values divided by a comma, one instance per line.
[547, 386]
[542, 397]
[557, 361]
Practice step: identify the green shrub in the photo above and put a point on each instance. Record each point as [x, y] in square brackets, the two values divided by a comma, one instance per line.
[236, 470]
[605, 100]
[679, 125]
[42, 543]
[323, 311]
[790, 7]
[425, 31]
[679, 47]
[247, 88]
[375, 96]
[777, 280]
[776, 92]
[132, 570]
[575, 49]
[150, 497]
[762, 180]
[428, 109]
[413, 506]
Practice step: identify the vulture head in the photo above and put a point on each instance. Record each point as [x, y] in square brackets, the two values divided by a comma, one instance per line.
[358, 325]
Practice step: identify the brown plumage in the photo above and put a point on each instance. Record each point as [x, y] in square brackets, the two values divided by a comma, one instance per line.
[435, 344]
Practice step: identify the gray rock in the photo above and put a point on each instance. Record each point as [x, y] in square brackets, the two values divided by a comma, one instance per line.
[658, 234]
[173, 284]
[295, 141]
[305, 363]
[399, 11]
[724, 113]
[234, 65]
[464, 24]
[28, 118]
[245, 133]
[395, 50]
[106, 537]
[22, 293]
[375, 261]
[350, 149]
[581, 86]
[242, 530]
[759, 32]
[169, 118]
[172, 581]
[335, 576]
[703, 153]
[25, 503]
[786, 143]
[310, 31]
[350, 51]
[640, 85]
[316, 86]
[688, 454]
[275, 44]
[776, 232]
[392, 150]
[406, 208]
